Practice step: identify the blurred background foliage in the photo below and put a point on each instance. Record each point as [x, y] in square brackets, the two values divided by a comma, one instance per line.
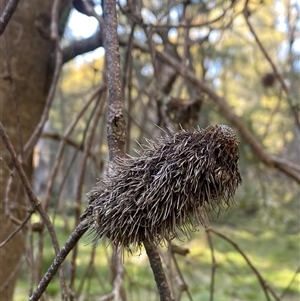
[224, 54]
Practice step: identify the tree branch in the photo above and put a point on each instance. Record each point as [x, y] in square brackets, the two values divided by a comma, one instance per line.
[35, 203]
[69, 141]
[290, 169]
[82, 46]
[265, 286]
[16, 231]
[268, 58]
[213, 265]
[230, 115]
[38, 130]
[7, 14]
[159, 275]
[59, 259]
[116, 126]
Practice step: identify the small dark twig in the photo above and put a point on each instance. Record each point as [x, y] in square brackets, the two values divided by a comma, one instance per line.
[183, 286]
[11, 172]
[159, 275]
[69, 141]
[78, 47]
[54, 20]
[265, 286]
[289, 285]
[60, 257]
[213, 266]
[2, 244]
[56, 75]
[268, 58]
[230, 115]
[116, 125]
[263, 50]
[80, 182]
[7, 14]
[35, 203]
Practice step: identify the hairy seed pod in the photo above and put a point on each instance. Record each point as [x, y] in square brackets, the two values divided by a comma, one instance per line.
[167, 189]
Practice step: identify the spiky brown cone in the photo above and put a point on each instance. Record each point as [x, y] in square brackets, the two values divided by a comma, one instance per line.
[167, 188]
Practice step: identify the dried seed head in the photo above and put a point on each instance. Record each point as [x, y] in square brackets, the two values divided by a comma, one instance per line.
[268, 80]
[167, 189]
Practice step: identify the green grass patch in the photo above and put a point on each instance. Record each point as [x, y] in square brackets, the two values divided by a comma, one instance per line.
[274, 252]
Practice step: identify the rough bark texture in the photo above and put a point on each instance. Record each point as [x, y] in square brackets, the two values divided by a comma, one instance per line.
[116, 125]
[26, 70]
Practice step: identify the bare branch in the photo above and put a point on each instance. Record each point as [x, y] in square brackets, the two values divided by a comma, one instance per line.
[11, 172]
[82, 46]
[66, 135]
[265, 286]
[2, 244]
[35, 203]
[80, 182]
[58, 65]
[7, 14]
[159, 275]
[59, 259]
[116, 125]
[54, 20]
[268, 58]
[230, 115]
[183, 285]
[285, 291]
[213, 265]
[58, 137]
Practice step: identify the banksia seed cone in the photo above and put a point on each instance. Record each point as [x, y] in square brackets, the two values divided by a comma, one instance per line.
[167, 188]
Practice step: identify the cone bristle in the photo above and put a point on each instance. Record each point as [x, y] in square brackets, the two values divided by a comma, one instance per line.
[168, 189]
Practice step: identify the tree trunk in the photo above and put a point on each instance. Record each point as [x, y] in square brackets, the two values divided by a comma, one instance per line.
[26, 70]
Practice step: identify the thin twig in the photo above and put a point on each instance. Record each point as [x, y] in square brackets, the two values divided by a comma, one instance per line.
[54, 20]
[80, 182]
[116, 125]
[31, 261]
[262, 48]
[230, 115]
[284, 292]
[12, 81]
[11, 172]
[134, 18]
[127, 80]
[14, 271]
[71, 142]
[213, 266]
[183, 287]
[7, 14]
[38, 130]
[159, 275]
[265, 286]
[59, 259]
[117, 291]
[268, 58]
[66, 135]
[35, 203]
[87, 275]
[2, 244]
[107, 297]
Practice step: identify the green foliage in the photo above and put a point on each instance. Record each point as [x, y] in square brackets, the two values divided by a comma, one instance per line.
[233, 278]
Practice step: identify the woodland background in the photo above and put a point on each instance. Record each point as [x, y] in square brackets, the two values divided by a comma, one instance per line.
[188, 63]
